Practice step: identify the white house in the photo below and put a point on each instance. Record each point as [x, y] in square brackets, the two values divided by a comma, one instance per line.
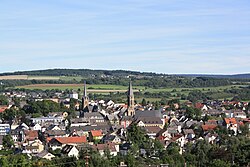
[71, 151]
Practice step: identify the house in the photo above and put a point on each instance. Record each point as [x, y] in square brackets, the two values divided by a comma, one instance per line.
[36, 127]
[55, 133]
[113, 148]
[30, 135]
[175, 124]
[189, 134]
[38, 144]
[208, 127]
[50, 119]
[60, 142]
[94, 117]
[70, 151]
[211, 138]
[46, 155]
[240, 114]
[126, 121]
[164, 134]
[4, 129]
[231, 124]
[179, 139]
[111, 138]
[95, 135]
[30, 150]
[149, 121]
[152, 131]
[124, 148]
[79, 122]
[113, 118]
[55, 127]
[73, 95]
[84, 130]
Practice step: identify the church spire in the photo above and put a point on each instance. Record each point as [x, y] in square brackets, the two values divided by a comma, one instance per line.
[85, 99]
[131, 101]
[84, 90]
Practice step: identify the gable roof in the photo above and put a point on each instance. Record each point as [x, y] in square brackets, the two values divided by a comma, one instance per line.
[110, 146]
[31, 134]
[68, 140]
[208, 127]
[230, 121]
[152, 129]
[96, 133]
[188, 131]
[150, 120]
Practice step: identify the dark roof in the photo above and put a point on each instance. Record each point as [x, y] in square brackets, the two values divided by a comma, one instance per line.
[89, 128]
[152, 129]
[148, 113]
[94, 115]
[55, 132]
[188, 131]
[127, 118]
[150, 120]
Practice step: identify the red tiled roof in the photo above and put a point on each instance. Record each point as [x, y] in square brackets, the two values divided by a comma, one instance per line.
[31, 134]
[208, 127]
[230, 121]
[67, 140]
[96, 133]
[3, 108]
[199, 105]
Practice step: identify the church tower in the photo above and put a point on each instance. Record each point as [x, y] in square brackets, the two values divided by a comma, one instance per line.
[85, 99]
[131, 101]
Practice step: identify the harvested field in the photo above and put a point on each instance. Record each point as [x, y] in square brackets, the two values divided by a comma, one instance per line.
[14, 77]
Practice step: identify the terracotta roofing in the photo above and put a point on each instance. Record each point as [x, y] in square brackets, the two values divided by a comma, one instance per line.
[208, 127]
[3, 108]
[31, 134]
[230, 121]
[67, 140]
[96, 133]
[199, 105]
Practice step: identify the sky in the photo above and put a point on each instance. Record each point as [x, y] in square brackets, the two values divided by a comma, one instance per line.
[163, 36]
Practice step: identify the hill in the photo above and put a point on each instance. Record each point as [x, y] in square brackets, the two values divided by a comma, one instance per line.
[235, 76]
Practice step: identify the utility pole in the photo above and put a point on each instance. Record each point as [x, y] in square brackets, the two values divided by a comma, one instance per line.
[87, 157]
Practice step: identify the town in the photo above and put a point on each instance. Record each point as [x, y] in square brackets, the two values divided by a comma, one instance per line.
[44, 128]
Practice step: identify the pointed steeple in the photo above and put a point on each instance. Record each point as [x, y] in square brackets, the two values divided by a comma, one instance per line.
[84, 90]
[131, 101]
[85, 99]
[130, 89]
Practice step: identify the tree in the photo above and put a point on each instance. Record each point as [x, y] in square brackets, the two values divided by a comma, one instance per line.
[8, 142]
[144, 102]
[3, 100]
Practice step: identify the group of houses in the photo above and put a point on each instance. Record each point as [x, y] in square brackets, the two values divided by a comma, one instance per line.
[101, 125]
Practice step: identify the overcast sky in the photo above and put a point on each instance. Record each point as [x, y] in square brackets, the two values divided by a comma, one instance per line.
[165, 36]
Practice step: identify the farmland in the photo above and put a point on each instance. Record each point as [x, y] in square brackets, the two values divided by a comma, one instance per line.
[91, 88]
[36, 77]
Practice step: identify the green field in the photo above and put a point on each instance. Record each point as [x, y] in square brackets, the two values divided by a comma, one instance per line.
[92, 88]
[187, 90]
